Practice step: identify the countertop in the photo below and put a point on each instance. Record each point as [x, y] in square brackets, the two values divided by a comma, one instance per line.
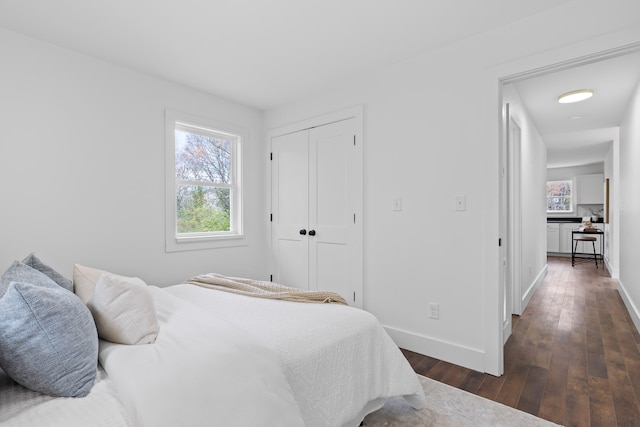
[577, 219]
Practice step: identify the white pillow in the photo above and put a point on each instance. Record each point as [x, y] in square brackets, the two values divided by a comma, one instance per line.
[123, 310]
[85, 280]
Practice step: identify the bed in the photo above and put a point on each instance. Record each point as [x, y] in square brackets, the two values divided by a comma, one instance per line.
[219, 358]
[22, 407]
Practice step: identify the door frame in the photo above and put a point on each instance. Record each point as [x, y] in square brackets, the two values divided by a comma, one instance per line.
[357, 113]
[495, 355]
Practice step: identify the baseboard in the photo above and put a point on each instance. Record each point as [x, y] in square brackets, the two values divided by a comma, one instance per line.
[613, 273]
[449, 352]
[526, 297]
[631, 307]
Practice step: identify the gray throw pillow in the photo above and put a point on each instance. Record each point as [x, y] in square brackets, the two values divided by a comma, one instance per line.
[34, 262]
[20, 272]
[48, 341]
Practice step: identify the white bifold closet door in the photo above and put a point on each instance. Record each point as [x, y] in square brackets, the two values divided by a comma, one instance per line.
[316, 200]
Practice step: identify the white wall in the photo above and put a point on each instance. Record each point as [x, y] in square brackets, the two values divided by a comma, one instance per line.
[431, 132]
[419, 149]
[532, 196]
[82, 166]
[629, 203]
[573, 171]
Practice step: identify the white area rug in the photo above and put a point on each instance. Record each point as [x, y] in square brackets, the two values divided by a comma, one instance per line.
[450, 407]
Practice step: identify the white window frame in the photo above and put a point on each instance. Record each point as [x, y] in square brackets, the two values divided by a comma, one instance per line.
[573, 189]
[236, 236]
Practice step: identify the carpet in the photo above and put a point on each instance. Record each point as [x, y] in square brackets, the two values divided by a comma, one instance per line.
[450, 407]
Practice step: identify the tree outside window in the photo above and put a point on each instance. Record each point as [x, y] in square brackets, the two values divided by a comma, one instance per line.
[559, 196]
[204, 181]
[203, 178]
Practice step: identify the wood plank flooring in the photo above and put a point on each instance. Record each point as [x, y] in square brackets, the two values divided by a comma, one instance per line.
[573, 357]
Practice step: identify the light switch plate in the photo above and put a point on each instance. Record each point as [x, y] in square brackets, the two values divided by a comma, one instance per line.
[434, 310]
[461, 202]
[397, 204]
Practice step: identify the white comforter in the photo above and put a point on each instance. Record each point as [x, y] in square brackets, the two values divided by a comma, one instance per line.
[222, 359]
[21, 407]
[201, 371]
[340, 363]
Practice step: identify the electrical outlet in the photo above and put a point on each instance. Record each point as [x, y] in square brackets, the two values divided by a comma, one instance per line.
[434, 310]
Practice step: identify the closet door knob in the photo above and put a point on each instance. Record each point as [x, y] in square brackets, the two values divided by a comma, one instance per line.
[312, 232]
[303, 232]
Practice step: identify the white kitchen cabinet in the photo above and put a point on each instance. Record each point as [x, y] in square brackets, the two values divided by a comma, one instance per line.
[553, 237]
[565, 236]
[590, 190]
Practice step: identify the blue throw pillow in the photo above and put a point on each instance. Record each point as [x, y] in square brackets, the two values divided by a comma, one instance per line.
[20, 272]
[48, 340]
[34, 262]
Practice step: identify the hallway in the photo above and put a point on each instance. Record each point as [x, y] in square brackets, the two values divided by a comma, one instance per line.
[573, 357]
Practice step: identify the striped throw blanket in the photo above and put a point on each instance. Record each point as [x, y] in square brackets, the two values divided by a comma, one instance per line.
[259, 289]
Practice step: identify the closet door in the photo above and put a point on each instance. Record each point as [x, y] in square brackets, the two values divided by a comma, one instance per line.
[290, 209]
[316, 199]
[333, 249]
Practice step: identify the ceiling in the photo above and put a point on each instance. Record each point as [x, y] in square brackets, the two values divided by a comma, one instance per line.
[581, 133]
[266, 53]
[256, 52]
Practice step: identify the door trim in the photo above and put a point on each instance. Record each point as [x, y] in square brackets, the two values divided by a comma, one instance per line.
[356, 112]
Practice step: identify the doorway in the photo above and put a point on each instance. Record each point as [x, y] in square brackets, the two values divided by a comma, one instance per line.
[518, 248]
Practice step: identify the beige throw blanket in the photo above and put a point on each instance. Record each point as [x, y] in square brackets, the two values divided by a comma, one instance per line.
[258, 289]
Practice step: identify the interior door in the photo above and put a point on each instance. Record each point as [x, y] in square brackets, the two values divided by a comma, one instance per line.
[333, 247]
[505, 239]
[317, 205]
[290, 209]
[514, 214]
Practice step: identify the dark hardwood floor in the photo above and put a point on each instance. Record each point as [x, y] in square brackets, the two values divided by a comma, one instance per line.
[573, 357]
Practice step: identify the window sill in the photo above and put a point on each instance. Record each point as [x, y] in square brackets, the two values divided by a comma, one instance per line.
[194, 243]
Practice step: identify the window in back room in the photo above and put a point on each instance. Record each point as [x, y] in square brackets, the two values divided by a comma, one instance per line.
[204, 196]
[559, 196]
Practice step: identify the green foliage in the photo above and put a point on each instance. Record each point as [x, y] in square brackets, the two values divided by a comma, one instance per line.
[196, 214]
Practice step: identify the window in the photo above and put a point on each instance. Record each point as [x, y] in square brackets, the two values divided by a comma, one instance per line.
[559, 196]
[204, 195]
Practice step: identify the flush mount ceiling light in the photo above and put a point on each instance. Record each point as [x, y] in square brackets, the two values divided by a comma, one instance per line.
[575, 96]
